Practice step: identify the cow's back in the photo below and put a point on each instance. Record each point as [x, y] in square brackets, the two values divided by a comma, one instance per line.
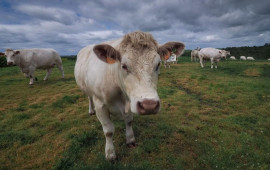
[40, 58]
[209, 53]
[80, 70]
[95, 77]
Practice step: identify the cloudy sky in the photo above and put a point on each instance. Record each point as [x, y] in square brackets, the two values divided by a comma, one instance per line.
[69, 25]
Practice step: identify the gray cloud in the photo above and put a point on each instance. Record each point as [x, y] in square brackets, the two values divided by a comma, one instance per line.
[70, 25]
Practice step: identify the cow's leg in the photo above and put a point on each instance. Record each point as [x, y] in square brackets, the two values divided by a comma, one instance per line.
[91, 106]
[32, 76]
[60, 67]
[201, 61]
[103, 116]
[169, 65]
[216, 64]
[129, 131]
[212, 62]
[48, 74]
[26, 75]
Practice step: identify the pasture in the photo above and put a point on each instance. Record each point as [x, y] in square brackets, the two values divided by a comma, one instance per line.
[210, 119]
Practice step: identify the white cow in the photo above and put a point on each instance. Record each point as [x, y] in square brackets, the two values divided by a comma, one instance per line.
[232, 58]
[213, 54]
[243, 58]
[250, 58]
[171, 59]
[268, 59]
[31, 59]
[195, 54]
[120, 78]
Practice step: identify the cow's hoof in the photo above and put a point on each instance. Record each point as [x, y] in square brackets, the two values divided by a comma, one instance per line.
[131, 145]
[111, 157]
[92, 113]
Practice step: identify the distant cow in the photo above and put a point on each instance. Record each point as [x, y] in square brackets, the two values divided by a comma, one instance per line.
[31, 59]
[120, 78]
[243, 58]
[194, 54]
[213, 54]
[268, 59]
[232, 58]
[171, 59]
[250, 58]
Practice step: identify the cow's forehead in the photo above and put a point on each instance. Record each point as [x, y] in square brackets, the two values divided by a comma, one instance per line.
[9, 52]
[140, 56]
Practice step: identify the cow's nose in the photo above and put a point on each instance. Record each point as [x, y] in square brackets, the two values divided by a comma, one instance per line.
[147, 107]
[10, 63]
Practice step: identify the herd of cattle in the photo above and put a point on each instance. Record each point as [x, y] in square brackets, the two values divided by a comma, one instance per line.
[215, 55]
[119, 77]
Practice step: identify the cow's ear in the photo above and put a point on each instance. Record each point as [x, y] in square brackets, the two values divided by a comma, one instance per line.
[17, 52]
[171, 47]
[107, 53]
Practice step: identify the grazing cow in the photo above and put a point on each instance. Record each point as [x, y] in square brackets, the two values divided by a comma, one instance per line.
[232, 58]
[243, 58]
[213, 54]
[250, 58]
[268, 59]
[31, 59]
[195, 54]
[120, 78]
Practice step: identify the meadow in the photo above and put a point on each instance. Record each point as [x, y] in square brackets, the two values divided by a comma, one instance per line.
[210, 119]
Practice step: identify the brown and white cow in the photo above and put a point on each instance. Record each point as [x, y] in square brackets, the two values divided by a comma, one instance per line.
[120, 78]
[31, 59]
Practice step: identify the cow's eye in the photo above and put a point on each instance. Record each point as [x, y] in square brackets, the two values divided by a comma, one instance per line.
[124, 67]
[157, 66]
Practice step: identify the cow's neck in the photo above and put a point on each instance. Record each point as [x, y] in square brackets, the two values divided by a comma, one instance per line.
[18, 60]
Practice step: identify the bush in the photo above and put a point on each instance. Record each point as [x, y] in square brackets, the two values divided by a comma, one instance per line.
[3, 61]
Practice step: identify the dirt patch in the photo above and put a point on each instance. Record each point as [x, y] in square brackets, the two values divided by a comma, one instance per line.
[252, 72]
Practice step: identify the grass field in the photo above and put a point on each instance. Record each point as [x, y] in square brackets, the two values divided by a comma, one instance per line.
[210, 119]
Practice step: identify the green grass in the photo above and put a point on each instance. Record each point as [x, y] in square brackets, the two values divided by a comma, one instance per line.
[210, 119]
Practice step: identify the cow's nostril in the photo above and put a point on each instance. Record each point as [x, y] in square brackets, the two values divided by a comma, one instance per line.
[140, 108]
[148, 107]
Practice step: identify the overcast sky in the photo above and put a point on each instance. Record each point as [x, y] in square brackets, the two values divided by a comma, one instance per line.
[69, 25]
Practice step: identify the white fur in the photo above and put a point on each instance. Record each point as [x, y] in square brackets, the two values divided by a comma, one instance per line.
[243, 58]
[250, 58]
[232, 58]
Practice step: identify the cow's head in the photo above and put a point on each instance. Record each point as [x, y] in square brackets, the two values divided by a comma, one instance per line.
[224, 53]
[11, 56]
[139, 57]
